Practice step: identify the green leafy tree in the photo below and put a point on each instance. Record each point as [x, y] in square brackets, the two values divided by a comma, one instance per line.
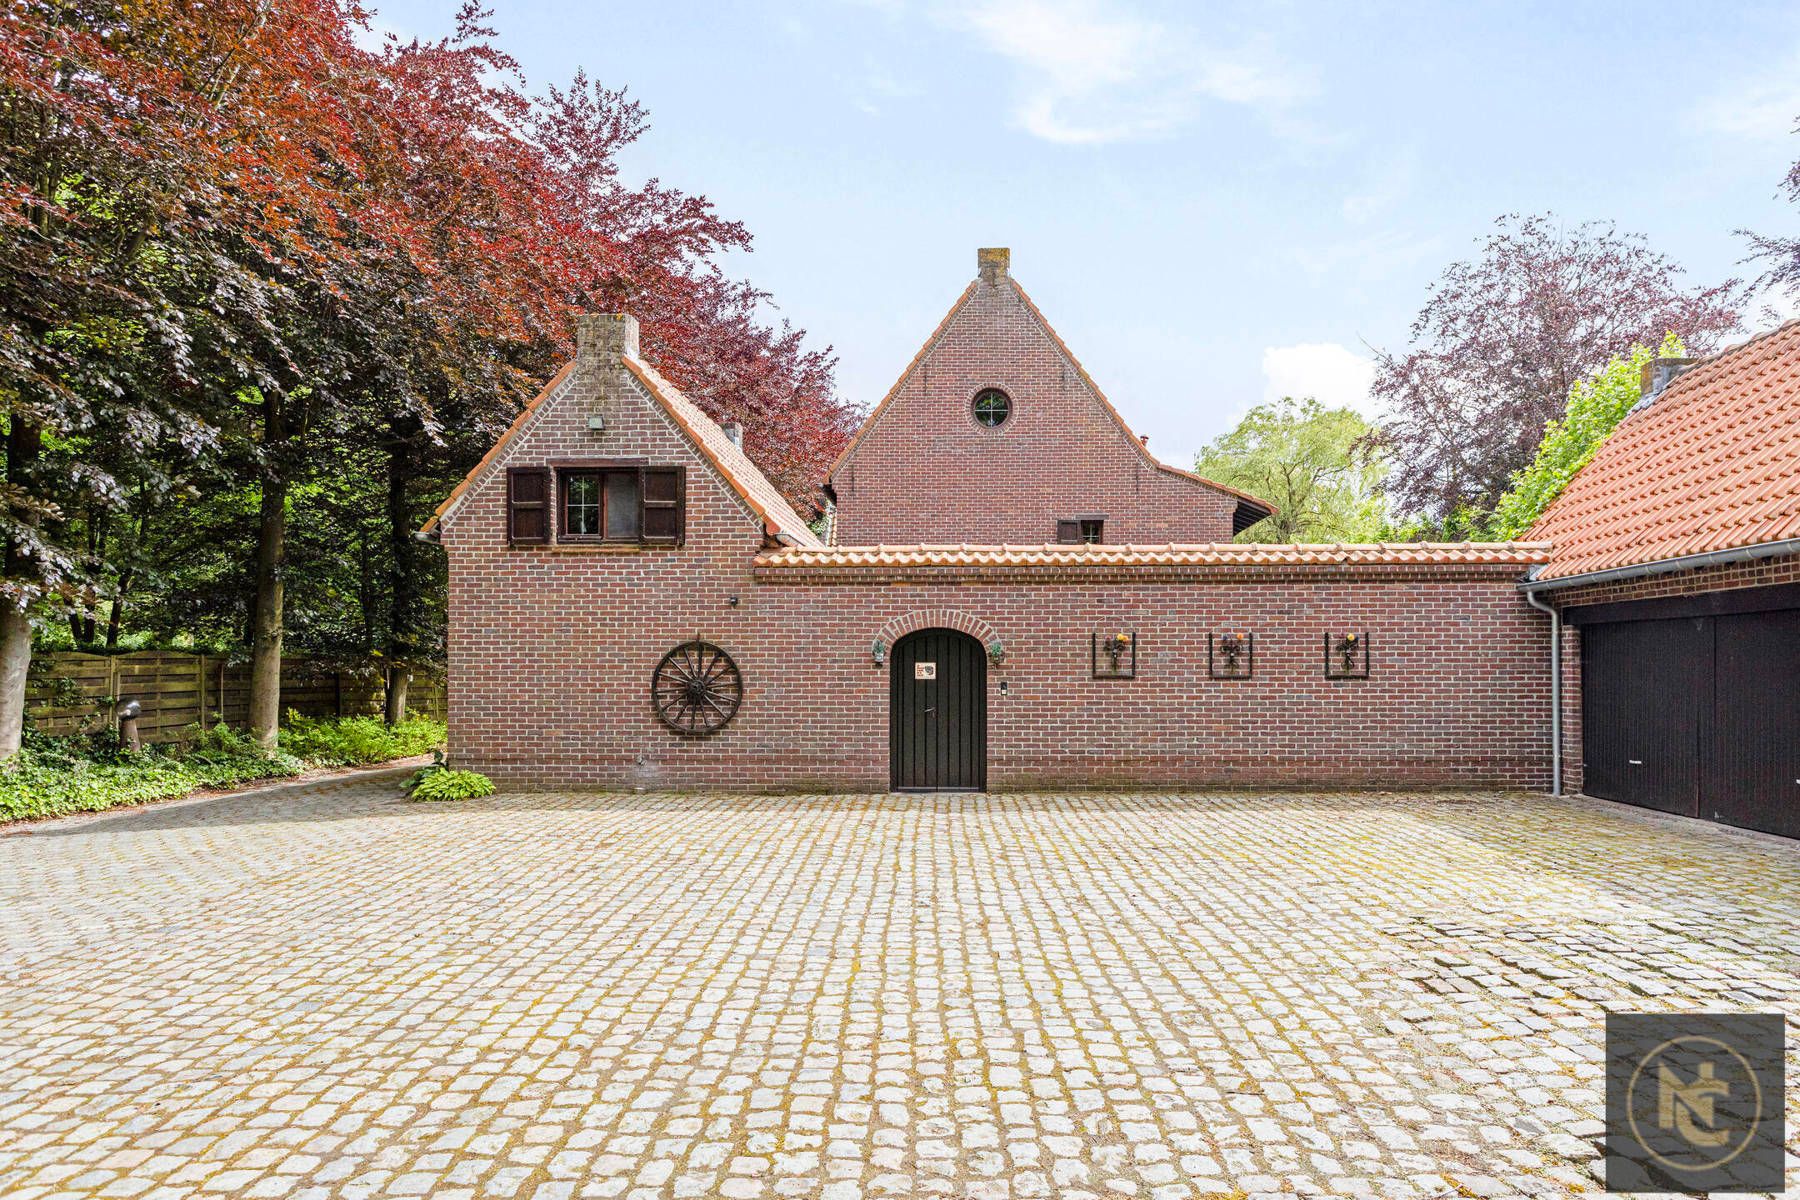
[1314, 463]
[1596, 405]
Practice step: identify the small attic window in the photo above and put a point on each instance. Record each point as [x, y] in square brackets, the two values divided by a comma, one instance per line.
[992, 407]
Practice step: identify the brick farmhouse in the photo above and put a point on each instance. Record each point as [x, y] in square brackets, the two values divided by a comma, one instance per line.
[1011, 592]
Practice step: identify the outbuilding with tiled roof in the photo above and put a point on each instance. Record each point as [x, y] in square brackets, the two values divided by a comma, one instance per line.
[1675, 564]
[1016, 594]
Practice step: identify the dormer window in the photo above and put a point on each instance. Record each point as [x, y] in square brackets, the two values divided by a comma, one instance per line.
[992, 407]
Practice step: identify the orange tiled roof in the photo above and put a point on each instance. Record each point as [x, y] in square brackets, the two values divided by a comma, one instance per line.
[1712, 464]
[1521, 554]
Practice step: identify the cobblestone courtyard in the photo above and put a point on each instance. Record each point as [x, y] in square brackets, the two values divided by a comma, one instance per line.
[334, 993]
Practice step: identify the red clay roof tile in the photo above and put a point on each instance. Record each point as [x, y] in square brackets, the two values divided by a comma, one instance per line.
[1712, 464]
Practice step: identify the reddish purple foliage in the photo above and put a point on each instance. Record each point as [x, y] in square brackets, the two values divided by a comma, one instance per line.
[1783, 253]
[1493, 353]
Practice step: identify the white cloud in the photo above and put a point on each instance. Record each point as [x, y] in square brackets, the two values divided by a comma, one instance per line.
[1384, 185]
[1367, 257]
[1092, 71]
[1335, 376]
[1757, 107]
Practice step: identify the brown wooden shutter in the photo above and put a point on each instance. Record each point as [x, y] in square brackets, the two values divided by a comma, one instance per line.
[528, 506]
[1068, 532]
[663, 492]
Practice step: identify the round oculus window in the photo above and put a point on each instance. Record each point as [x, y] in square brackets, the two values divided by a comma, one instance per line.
[992, 407]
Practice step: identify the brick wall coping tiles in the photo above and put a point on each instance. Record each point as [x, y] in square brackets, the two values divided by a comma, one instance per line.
[1062, 557]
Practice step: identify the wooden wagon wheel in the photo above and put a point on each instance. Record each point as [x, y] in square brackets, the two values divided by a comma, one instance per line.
[696, 689]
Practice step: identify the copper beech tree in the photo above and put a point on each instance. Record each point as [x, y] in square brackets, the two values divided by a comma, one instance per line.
[241, 242]
[1504, 337]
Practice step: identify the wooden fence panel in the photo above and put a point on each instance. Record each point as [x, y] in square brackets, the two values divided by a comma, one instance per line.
[70, 692]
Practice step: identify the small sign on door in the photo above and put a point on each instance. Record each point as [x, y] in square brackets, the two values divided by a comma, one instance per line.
[924, 670]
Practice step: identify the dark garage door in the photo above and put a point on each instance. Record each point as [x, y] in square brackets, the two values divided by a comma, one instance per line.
[1698, 715]
[1645, 686]
[1753, 778]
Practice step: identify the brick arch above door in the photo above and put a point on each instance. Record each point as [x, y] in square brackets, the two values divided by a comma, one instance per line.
[898, 627]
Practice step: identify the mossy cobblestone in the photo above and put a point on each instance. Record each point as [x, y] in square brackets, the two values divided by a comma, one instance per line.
[332, 993]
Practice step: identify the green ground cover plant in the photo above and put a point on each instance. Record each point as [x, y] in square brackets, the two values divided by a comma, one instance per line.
[356, 741]
[55, 776]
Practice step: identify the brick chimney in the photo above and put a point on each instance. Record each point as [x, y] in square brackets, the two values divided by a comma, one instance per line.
[993, 262]
[1660, 372]
[599, 336]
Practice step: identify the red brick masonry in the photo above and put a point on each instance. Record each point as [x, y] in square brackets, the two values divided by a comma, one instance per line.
[552, 647]
[923, 470]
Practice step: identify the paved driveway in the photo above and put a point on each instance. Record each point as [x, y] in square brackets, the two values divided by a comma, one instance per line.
[335, 993]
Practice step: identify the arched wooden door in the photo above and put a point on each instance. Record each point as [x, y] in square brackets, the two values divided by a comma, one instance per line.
[937, 713]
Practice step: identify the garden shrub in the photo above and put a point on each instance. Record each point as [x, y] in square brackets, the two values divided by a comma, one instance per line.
[440, 783]
[52, 777]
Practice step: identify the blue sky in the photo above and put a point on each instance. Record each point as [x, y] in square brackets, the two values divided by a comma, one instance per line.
[1213, 203]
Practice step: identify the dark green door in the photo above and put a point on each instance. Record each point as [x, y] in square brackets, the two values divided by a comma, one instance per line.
[937, 713]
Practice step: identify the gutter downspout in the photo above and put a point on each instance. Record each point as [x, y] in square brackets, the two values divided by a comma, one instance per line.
[1556, 704]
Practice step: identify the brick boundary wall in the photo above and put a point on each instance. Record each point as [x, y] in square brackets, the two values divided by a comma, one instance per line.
[1761, 572]
[1458, 694]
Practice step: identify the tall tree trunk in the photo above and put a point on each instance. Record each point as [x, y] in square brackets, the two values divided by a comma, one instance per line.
[23, 443]
[407, 584]
[127, 574]
[112, 622]
[96, 558]
[264, 718]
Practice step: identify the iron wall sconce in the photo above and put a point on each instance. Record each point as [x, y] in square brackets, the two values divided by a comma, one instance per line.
[878, 652]
[1347, 655]
[1113, 655]
[1230, 655]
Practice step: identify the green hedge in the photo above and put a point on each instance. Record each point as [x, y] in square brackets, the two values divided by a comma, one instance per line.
[54, 776]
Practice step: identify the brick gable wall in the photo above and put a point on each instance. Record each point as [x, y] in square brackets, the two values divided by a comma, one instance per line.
[542, 638]
[926, 471]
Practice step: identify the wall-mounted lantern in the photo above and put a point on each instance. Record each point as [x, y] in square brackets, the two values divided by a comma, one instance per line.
[1230, 655]
[996, 651]
[1347, 655]
[1113, 655]
[878, 652]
